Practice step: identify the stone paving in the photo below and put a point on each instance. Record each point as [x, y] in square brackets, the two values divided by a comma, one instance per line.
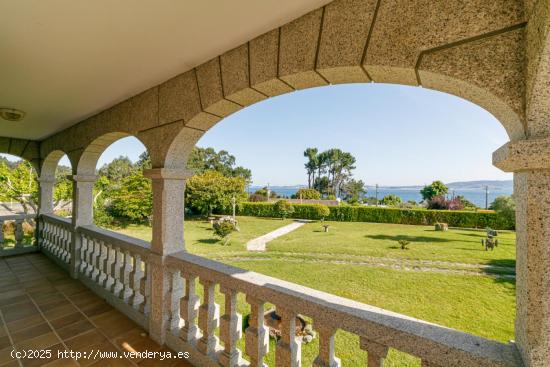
[42, 308]
[258, 243]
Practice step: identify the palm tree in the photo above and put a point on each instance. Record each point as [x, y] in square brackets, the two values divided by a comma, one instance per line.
[311, 165]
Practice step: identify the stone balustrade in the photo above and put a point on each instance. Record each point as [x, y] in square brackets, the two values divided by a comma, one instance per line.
[117, 268]
[17, 245]
[193, 327]
[55, 238]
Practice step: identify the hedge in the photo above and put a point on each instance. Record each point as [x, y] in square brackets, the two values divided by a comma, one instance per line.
[455, 218]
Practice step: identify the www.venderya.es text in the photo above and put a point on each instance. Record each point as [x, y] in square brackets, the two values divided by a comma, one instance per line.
[96, 354]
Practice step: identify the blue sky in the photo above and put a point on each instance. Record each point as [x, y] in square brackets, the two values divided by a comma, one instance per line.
[400, 135]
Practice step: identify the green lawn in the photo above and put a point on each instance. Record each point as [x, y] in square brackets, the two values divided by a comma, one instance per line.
[480, 304]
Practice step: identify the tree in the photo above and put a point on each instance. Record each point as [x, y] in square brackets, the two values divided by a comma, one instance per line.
[117, 170]
[283, 209]
[353, 191]
[134, 199]
[202, 160]
[212, 192]
[506, 207]
[391, 200]
[465, 202]
[63, 189]
[436, 188]
[311, 165]
[307, 194]
[18, 183]
[321, 211]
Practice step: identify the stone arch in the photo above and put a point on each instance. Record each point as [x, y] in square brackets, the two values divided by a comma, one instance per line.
[87, 159]
[475, 52]
[25, 149]
[50, 163]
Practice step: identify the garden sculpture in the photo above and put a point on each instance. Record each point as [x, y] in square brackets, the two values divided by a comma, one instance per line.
[490, 242]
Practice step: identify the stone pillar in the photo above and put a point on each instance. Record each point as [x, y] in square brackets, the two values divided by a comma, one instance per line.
[82, 215]
[168, 208]
[46, 195]
[530, 162]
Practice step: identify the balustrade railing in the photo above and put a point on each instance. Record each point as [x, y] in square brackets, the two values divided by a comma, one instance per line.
[13, 239]
[55, 238]
[195, 326]
[116, 267]
[119, 268]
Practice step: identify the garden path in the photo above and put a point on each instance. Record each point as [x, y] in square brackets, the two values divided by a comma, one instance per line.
[258, 243]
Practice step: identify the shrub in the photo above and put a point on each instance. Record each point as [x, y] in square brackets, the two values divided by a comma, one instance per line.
[440, 203]
[223, 229]
[391, 200]
[404, 244]
[455, 218]
[307, 194]
[283, 209]
[321, 211]
[505, 207]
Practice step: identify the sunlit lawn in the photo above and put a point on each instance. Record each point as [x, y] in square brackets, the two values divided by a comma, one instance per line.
[481, 305]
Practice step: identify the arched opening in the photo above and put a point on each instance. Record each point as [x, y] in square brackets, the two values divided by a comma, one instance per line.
[399, 136]
[18, 203]
[56, 184]
[121, 195]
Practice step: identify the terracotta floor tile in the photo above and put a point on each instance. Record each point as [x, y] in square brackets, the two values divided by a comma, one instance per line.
[5, 342]
[62, 362]
[25, 323]
[74, 329]
[97, 309]
[5, 355]
[15, 299]
[113, 363]
[13, 363]
[32, 332]
[61, 311]
[66, 320]
[85, 340]
[40, 342]
[18, 311]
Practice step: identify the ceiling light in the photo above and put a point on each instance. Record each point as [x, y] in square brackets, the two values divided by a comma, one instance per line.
[11, 114]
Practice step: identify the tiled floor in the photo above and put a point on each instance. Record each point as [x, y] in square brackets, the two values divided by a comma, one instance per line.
[42, 308]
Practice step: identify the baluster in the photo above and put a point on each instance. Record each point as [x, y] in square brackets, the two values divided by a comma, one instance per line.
[45, 234]
[57, 247]
[118, 273]
[101, 263]
[135, 280]
[256, 335]
[189, 309]
[98, 260]
[1, 234]
[230, 330]
[66, 241]
[327, 356]
[107, 260]
[377, 352]
[127, 290]
[111, 283]
[289, 350]
[145, 290]
[19, 233]
[84, 254]
[209, 320]
[91, 258]
[172, 306]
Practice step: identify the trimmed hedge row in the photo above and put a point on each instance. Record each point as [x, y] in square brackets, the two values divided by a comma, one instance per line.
[455, 218]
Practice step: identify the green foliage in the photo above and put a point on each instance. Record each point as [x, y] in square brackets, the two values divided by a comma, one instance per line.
[404, 244]
[467, 204]
[212, 192]
[353, 191]
[436, 188]
[283, 209]
[203, 160]
[350, 213]
[18, 183]
[307, 194]
[134, 199]
[391, 200]
[222, 229]
[320, 211]
[117, 170]
[328, 171]
[505, 206]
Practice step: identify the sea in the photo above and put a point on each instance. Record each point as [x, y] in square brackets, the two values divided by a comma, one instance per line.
[476, 196]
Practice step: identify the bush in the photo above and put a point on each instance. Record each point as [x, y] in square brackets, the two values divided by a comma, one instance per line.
[455, 218]
[391, 200]
[321, 211]
[307, 194]
[440, 203]
[222, 229]
[283, 209]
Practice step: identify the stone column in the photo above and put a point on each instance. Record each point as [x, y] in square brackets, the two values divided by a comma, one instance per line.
[83, 214]
[168, 208]
[530, 162]
[46, 195]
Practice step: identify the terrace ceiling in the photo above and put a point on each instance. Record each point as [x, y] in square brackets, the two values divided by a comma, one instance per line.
[64, 60]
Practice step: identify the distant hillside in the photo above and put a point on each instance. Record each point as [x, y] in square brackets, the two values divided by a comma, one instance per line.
[494, 185]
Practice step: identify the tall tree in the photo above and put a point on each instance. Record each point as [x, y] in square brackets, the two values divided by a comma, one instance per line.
[311, 165]
[436, 188]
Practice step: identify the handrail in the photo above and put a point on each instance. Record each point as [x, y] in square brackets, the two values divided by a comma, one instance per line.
[437, 344]
[16, 217]
[56, 219]
[128, 243]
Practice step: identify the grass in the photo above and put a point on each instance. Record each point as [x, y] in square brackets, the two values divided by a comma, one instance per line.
[479, 304]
